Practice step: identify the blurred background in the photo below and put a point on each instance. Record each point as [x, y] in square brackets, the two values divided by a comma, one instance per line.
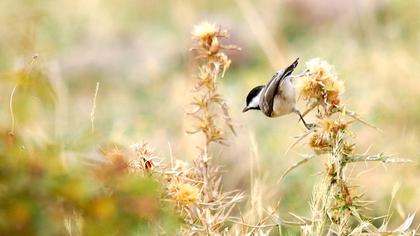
[138, 51]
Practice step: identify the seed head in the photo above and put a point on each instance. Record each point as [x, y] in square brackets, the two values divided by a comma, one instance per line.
[308, 87]
[205, 32]
[330, 126]
[333, 90]
[319, 142]
[141, 157]
[185, 194]
[320, 83]
[321, 69]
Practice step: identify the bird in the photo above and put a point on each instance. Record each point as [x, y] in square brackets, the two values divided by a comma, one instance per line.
[277, 97]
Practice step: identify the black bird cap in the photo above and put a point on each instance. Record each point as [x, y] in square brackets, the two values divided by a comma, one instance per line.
[253, 93]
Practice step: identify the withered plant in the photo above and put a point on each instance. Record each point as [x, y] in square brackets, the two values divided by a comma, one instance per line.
[195, 188]
[197, 191]
[337, 208]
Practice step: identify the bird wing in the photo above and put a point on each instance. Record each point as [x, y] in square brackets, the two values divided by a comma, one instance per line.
[271, 88]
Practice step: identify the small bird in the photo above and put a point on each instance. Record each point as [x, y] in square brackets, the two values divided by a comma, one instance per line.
[277, 98]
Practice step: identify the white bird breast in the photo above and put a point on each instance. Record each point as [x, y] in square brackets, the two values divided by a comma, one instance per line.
[285, 100]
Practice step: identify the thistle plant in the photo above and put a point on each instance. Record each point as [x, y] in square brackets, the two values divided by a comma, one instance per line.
[336, 207]
[194, 189]
[201, 199]
[333, 203]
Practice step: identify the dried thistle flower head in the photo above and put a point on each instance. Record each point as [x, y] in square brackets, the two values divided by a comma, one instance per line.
[320, 83]
[205, 32]
[308, 87]
[323, 139]
[321, 69]
[333, 90]
[206, 35]
[141, 157]
[185, 194]
[142, 150]
[331, 126]
[209, 46]
[320, 142]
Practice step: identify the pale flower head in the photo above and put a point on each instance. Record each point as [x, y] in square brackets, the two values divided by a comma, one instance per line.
[332, 126]
[320, 83]
[185, 194]
[320, 142]
[308, 87]
[205, 31]
[321, 69]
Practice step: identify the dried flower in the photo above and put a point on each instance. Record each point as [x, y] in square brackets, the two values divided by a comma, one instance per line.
[321, 69]
[324, 137]
[319, 142]
[209, 47]
[142, 150]
[320, 84]
[141, 157]
[333, 90]
[205, 32]
[331, 126]
[308, 87]
[185, 194]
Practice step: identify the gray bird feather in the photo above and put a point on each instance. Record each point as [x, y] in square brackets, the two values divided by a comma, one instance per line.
[271, 89]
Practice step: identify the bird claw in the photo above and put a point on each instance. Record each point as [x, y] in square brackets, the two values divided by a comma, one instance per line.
[310, 126]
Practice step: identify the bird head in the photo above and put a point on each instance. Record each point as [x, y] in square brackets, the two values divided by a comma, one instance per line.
[253, 99]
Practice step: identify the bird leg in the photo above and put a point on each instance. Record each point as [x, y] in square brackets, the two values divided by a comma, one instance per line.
[308, 126]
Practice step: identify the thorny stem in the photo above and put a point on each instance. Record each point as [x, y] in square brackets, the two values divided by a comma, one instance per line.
[325, 219]
[378, 157]
[283, 222]
[354, 115]
[209, 110]
[297, 164]
[205, 159]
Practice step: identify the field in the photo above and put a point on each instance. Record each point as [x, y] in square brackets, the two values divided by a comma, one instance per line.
[125, 118]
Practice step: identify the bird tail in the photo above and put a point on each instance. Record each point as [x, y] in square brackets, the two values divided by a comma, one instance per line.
[289, 70]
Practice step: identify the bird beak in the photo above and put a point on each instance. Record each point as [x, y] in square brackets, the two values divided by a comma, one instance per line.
[245, 109]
